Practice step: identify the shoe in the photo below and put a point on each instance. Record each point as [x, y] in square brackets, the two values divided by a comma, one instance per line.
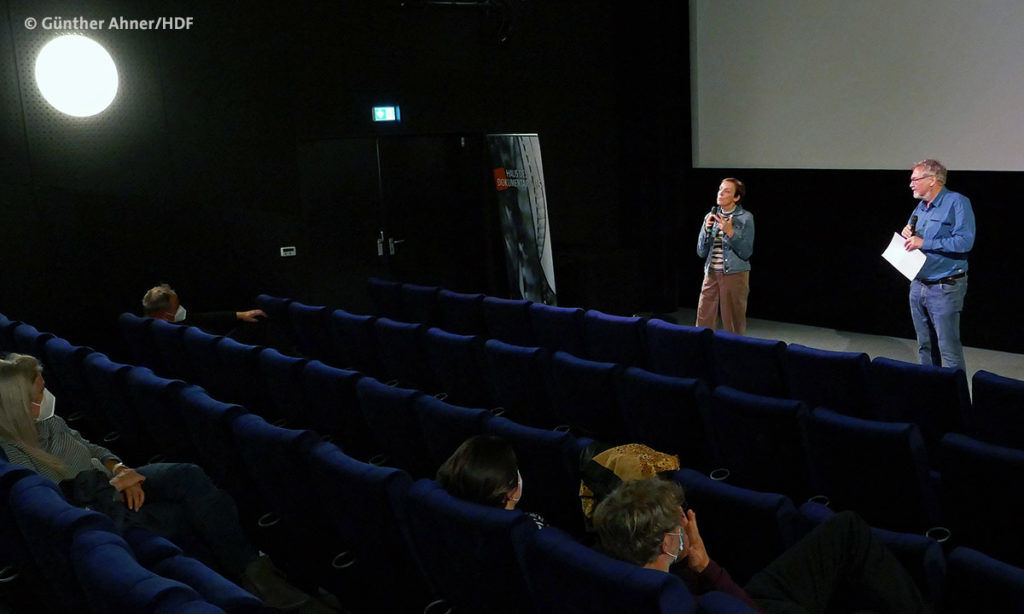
[265, 581]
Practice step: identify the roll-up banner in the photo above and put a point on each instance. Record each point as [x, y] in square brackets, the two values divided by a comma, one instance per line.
[523, 208]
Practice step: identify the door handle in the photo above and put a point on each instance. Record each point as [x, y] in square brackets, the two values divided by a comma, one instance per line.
[392, 242]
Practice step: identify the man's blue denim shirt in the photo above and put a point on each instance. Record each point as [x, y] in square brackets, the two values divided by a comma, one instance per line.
[947, 227]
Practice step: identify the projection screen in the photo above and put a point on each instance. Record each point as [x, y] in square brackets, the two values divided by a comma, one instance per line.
[857, 84]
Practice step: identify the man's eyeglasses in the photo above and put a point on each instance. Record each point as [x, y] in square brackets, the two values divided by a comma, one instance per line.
[916, 179]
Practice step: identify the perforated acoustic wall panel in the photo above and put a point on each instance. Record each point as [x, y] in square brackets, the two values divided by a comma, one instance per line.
[117, 151]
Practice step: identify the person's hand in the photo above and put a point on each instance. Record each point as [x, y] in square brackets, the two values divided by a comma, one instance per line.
[250, 316]
[907, 232]
[913, 243]
[709, 221]
[725, 223]
[697, 557]
[128, 483]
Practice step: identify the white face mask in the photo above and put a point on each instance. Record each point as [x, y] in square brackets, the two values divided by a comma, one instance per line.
[180, 314]
[680, 550]
[518, 488]
[46, 406]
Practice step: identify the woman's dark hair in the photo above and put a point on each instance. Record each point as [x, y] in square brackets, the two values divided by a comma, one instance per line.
[482, 470]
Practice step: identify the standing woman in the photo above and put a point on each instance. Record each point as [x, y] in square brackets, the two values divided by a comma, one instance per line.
[726, 242]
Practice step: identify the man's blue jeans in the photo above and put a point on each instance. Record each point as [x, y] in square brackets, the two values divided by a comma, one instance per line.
[935, 310]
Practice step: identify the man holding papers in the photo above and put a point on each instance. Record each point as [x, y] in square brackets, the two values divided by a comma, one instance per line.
[942, 228]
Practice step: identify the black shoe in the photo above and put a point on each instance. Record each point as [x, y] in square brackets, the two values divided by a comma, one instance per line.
[265, 581]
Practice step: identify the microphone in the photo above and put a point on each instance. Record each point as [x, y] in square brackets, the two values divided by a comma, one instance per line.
[913, 225]
[711, 229]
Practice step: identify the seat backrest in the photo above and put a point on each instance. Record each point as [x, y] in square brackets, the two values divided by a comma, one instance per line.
[976, 582]
[462, 314]
[549, 462]
[310, 324]
[981, 495]
[615, 339]
[456, 362]
[386, 297]
[365, 506]
[940, 400]
[508, 320]
[446, 426]
[139, 339]
[467, 551]
[680, 351]
[879, 469]
[167, 560]
[402, 355]
[239, 373]
[583, 393]
[109, 390]
[78, 407]
[558, 328]
[49, 523]
[835, 380]
[419, 304]
[567, 577]
[355, 342]
[747, 429]
[749, 364]
[997, 403]
[332, 408]
[201, 351]
[156, 402]
[390, 414]
[519, 380]
[667, 413]
[170, 344]
[279, 331]
[745, 529]
[282, 377]
[7, 327]
[28, 340]
[113, 581]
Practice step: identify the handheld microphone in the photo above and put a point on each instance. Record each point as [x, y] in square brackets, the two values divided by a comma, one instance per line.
[711, 229]
[913, 225]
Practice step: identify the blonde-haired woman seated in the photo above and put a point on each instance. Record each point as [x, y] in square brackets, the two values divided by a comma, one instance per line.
[172, 499]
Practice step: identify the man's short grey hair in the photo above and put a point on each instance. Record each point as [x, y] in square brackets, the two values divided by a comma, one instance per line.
[933, 167]
[157, 299]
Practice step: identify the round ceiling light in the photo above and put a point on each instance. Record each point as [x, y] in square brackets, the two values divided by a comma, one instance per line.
[76, 75]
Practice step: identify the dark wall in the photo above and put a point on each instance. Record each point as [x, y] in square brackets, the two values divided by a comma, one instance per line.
[195, 175]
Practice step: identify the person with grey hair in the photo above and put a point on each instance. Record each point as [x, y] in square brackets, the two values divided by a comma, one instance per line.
[942, 227]
[162, 302]
[644, 522]
[176, 500]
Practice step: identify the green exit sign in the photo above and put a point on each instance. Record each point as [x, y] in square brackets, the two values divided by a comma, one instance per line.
[386, 114]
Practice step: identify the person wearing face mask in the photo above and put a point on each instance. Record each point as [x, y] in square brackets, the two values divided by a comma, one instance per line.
[643, 522]
[484, 470]
[176, 500]
[162, 302]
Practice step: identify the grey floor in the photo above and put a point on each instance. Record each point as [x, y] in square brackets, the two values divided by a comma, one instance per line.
[1001, 363]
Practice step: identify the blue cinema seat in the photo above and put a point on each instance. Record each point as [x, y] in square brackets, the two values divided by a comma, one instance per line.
[615, 339]
[558, 328]
[679, 351]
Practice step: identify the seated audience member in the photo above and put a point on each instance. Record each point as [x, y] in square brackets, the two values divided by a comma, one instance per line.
[484, 470]
[643, 522]
[162, 302]
[172, 499]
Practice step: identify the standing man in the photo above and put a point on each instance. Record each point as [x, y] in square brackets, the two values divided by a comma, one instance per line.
[942, 226]
[726, 242]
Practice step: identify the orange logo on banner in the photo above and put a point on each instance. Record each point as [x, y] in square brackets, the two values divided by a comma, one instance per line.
[500, 180]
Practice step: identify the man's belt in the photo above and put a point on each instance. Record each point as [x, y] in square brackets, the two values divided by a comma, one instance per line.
[951, 280]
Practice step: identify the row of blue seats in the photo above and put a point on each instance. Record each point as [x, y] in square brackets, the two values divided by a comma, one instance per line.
[880, 469]
[351, 523]
[847, 382]
[67, 559]
[260, 451]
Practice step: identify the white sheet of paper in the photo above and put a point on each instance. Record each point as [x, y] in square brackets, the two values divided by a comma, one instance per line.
[908, 263]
